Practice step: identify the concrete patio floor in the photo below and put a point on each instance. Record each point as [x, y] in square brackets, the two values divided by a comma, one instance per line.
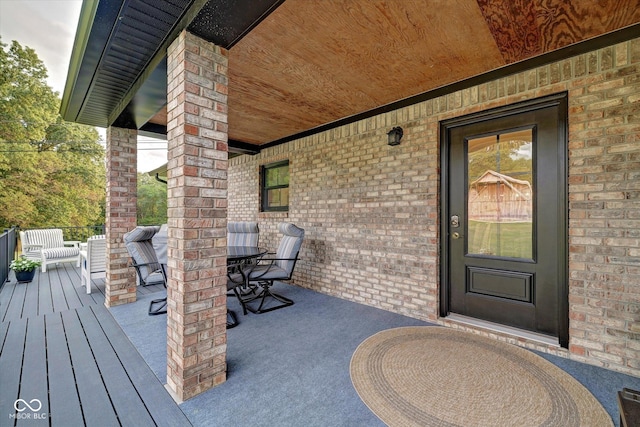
[290, 367]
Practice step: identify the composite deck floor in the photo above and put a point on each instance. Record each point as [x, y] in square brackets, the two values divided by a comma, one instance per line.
[64, 361]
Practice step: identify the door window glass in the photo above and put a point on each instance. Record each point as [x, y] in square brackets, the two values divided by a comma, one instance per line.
[500, 195]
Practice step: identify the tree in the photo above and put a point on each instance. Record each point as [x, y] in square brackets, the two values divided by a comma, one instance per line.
[511, 157]
[152, 201]
[27, 105]
[52, 173]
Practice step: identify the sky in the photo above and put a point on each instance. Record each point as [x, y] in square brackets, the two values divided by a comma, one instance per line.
[49, 28]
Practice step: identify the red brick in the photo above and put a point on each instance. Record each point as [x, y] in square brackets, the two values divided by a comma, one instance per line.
[194, 291]
[121, 213]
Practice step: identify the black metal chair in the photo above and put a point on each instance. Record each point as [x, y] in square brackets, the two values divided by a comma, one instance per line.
[139, 244]
[146, 245]
[277, 267]
[236, 279]
[245, 234]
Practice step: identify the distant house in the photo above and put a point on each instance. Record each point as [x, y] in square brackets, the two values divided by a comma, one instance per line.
[497, 197]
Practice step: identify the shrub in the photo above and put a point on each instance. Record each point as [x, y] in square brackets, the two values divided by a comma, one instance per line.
[24, 264]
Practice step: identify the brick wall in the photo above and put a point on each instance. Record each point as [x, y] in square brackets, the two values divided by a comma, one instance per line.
[370, 211]
[197, 215]
[604, 174]
[121, 213]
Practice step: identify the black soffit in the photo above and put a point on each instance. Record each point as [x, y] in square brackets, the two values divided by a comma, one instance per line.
[121, 38]
[117, 74]
[219, 22]
[223, 23]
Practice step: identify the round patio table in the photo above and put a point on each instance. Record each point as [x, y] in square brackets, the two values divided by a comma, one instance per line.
[243, 253]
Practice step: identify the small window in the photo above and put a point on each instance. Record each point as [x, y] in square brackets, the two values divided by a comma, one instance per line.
[275, 187]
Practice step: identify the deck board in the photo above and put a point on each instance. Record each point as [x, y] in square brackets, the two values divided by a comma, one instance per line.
[33, 384]
[6, 294]
[57, 292]
[11, 365]
[95, 401]
[30, 306]
[141, 375]
[45, 300]
[72, 296]
[14, 308]
[4, 328]
[128, 405]
[62, 347]
[64, 402]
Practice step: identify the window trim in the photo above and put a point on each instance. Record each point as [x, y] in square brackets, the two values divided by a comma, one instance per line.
[264, 189]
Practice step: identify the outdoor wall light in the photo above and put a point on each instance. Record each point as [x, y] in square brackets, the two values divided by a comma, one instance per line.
[395, 135]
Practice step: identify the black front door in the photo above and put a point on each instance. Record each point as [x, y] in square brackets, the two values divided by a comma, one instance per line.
[504, 232]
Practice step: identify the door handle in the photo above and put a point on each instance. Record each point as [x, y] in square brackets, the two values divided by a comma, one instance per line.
[454, 221]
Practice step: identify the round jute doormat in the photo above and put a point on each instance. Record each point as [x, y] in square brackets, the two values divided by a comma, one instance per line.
[435, 376]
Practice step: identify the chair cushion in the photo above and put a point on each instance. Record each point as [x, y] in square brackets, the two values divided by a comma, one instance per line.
[266, 272]
[233, 280]
[289, 229]
[289, 245]
[242, 233]
[155, 277]
[159, 241]
[59, 253]
[97, 253]
[48, 238]
[140, 247]
[141, 233]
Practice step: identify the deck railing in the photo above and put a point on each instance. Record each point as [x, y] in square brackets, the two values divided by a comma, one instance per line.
[75, 233]
[81, 233]
[7, 252]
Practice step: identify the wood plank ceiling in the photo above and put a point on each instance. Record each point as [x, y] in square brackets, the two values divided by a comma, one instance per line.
[311, 63]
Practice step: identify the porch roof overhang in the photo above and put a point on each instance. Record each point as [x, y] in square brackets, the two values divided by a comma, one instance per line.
[297, 67]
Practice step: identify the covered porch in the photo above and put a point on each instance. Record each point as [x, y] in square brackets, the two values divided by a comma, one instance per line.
[319, 85]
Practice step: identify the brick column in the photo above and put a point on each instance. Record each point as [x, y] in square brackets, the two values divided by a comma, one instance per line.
[122, 189]
[197, 211]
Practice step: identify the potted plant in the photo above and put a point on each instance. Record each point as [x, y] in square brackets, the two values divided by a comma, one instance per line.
[24, 268]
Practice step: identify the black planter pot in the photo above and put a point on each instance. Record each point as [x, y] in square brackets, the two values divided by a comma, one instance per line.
[25, 276]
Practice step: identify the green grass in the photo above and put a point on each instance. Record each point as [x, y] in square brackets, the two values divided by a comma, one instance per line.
[511, 239]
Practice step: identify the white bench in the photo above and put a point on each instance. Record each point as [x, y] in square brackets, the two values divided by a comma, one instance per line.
[49, 246]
